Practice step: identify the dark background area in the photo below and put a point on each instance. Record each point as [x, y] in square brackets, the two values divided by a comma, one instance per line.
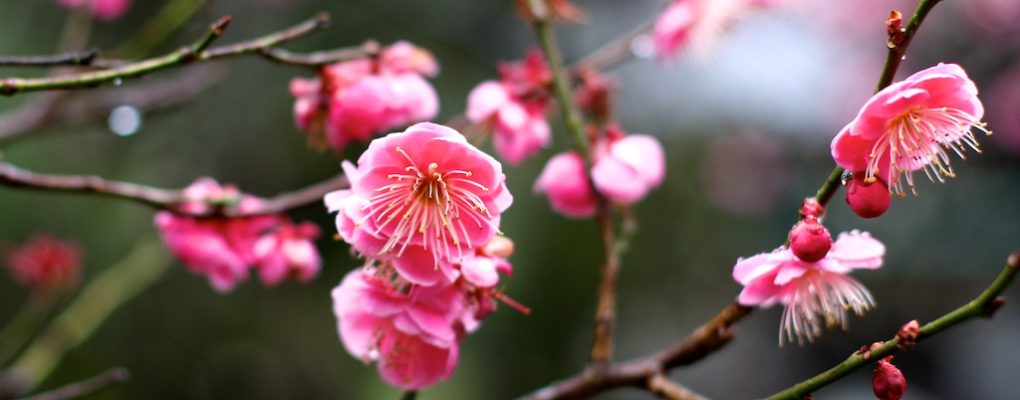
[746, 127]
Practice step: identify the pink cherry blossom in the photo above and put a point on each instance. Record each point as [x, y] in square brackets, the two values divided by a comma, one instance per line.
[106, 10]
[44, 264]
[913, 125]
[813, 293]
[627, 168]
[353, 100]
[565, 182]
[224, 249]
[424, 199]
[693, 24]
[514, 108]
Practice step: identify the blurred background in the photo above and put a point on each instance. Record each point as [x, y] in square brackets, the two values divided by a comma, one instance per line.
[746, 126]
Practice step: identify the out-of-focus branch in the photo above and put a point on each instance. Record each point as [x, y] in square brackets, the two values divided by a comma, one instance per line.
[76, 58]
[84, 388]
[60, 109]
[984, 305]
[196, 52]
[640, 372]
[615, 52]
[99, 299]
[320, 58]
[166, 199]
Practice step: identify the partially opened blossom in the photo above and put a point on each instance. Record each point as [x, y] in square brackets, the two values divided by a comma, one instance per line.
[353, 100]
[628, 167]
[514, 108]
[106, 10]
[44, 264]
[814, 294]
[424, 198]
[564, 182]
[225, 249]
[913, 125]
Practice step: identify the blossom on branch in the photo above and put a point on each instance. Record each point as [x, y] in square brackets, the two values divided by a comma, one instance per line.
[106, 10]
[514, 108]
[815, 294]
[224, 249]
[44, 264]
[354, 100]
[913, 125]
[694, 24]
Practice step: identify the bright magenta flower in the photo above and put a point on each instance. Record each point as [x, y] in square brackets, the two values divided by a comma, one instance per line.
[43, 264]
[424, 198]
[106, 10]
[353, 100]
[224, 249]
[815, 294]
[913, 125]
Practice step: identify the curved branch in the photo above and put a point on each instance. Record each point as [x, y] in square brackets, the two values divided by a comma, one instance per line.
[164, 199]
[74, 58]
[196, 52]
[984, 305]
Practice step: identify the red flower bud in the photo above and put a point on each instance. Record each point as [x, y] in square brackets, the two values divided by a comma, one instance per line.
[867, 199]
[888, 382]
[809, 240]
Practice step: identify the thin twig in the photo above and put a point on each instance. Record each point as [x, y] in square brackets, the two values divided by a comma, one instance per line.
[196, 52]
[661, 386]
[165, 199]
[84, 388]
[605, 314]
[75, 58]
[984, 305]
[615, 52]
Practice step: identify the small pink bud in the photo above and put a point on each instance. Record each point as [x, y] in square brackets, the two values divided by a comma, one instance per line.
[888, 382]
[811, 208]
[499, 246]
[809, 240]
[908, 334]
[867, 199]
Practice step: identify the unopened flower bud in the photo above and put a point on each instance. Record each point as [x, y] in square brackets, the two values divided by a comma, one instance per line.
[888, 382]
[908, 334]
[809, 240]
[499, 246]
[867, 199]
[811, 208]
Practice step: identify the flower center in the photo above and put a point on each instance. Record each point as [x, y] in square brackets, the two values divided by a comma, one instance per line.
[920, 139]
[433, 205]
[821, 298]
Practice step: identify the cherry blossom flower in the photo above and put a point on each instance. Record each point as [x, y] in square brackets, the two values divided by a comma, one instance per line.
[694, 24]
[815, 294]
[913, 125]
[44, 264]
[353, 100]
[424, 198]
[514, 108]
[564, 182]
[224, 249]
[106, 10]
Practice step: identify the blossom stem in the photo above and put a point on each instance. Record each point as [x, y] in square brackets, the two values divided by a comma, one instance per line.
[84, 388]
[605, 313]
[984, 305]
[103, 295]
[196, 52]
[165, 199]
[26, 321]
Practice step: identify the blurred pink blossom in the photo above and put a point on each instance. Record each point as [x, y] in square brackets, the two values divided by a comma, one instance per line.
[813, 293]
[223, 249]
[424, 199]
[514, 108]
[106, 10]
[44, 264]
[628, 167]
[695, 24]
[565, 183]
[353, 100]
[913, 125]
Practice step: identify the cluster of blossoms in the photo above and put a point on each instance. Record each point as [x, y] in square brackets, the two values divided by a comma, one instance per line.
[106, 10]
[695, 24]
[514, 108]
[224, 249]
[625, 169]
[424, 210]
[44, 264]
[809, 277]
[353, 100]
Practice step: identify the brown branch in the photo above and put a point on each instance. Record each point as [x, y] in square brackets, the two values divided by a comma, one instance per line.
[320, 58]
[638, 373]
[84, 388]
[196, 52]
[661, 386]
[164, 199]
[74, 58]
